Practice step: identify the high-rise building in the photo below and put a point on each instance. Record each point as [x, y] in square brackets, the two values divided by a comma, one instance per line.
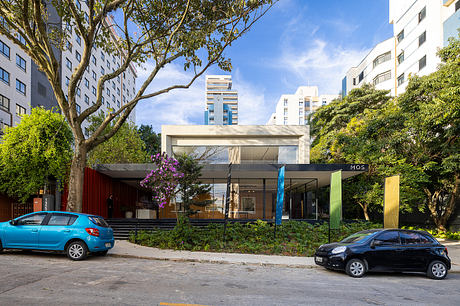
[221, 101]
[32, 88]
[295, 109]
[420, 29]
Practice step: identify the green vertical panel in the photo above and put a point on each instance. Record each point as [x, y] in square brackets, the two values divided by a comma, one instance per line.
[335, 206]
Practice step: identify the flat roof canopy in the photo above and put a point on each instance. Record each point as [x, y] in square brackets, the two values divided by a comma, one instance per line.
[319, 172]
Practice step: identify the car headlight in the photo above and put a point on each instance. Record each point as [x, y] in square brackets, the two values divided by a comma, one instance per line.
[338, 250]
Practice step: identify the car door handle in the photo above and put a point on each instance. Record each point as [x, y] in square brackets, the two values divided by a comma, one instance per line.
[66, 231]
[35, 230]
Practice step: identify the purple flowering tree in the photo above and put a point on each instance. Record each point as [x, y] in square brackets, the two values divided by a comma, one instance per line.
[163, 180]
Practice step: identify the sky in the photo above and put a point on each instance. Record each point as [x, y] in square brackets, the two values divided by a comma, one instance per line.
[297, 43]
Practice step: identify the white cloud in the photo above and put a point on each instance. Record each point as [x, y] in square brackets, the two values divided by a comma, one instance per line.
[252, 107]
[179, 106]
[322, 63]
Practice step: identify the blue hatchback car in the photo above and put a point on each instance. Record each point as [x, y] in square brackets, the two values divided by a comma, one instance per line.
[75, 234]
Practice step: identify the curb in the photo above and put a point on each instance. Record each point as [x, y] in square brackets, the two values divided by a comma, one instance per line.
[297, 266]
[216, 261]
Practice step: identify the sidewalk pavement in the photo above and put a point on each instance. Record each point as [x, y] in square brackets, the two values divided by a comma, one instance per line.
[124, 248]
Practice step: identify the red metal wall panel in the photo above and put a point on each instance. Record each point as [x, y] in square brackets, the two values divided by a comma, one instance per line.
[97, 188]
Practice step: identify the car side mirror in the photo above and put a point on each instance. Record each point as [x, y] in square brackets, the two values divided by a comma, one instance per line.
[375, 243]
[14, 222]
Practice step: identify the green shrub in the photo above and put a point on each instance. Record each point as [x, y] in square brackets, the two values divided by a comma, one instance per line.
[437, 233]
[294, 238]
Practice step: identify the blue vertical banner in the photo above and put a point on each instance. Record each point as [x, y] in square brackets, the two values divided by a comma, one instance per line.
[280, 196]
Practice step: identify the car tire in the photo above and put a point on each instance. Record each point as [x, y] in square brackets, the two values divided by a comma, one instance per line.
[101, 253]
[77, 250]
[437, 270]
[355, 268]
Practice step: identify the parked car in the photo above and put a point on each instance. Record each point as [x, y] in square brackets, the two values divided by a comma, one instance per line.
[73, 233]
[386, 250]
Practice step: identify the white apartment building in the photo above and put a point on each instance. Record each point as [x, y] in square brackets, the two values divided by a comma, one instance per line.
[23, 86]
[294, 109]
[378, 68]
[420, 29]
[15, 83]
[221, 101]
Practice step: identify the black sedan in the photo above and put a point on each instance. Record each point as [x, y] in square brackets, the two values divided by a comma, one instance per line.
[386, 250]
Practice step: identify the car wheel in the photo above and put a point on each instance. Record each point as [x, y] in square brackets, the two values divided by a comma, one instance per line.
[101, 253]
[437, 270]
[77, 250]
[355, 268]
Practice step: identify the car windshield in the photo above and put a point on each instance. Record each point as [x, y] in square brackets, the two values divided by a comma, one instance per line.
[99, 221]
[358, 237]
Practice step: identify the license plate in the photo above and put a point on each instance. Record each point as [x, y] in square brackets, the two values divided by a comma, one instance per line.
[108, 245]
[319, 259]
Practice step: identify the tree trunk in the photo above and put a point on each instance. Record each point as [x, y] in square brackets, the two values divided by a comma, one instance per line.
[76, 180]
[440, 220]
[364, 207]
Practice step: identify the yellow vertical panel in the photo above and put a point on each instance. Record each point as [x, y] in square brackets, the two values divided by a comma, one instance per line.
[391, 202]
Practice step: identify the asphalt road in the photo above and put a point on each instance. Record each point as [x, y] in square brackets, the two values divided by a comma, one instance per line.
[49, 279]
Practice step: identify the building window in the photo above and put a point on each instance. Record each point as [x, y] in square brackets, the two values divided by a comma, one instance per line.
[68, 27]
[20, 87]
[86, 83]
[401, 57]
[118, 77]
[108, 91]
[285, 121]
[422, 63]
[20, 62]
[4, 49]
[324, 102]
[93, 90]
[78, 92]
[94, 75]
[21, 39]
[78, 109]
[20, 110]
[86, 17]
[361, 77]
[67, 81]
[307, 104]
[118, 91]
[300, 103]
[422, 14]
[118, 103]
[86, 99]
[5, 76]
[102, 70]
[285, 102]
[382, 58]
[102, 100]
[401, 79]
[68, 46]
[400, 36]
[113, 98]
[382, 77]
[93, 59]
[68, 64]
[422, 39]
[78, 4]
[78, 39]
[285, 111]
[113, 84]
[102, 56]
[78, 56]
[4, 103]
[108, 64]
[300, 111]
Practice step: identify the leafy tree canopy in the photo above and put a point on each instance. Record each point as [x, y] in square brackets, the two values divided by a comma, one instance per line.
[37, 149]
[126, 146]
[151, 139]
